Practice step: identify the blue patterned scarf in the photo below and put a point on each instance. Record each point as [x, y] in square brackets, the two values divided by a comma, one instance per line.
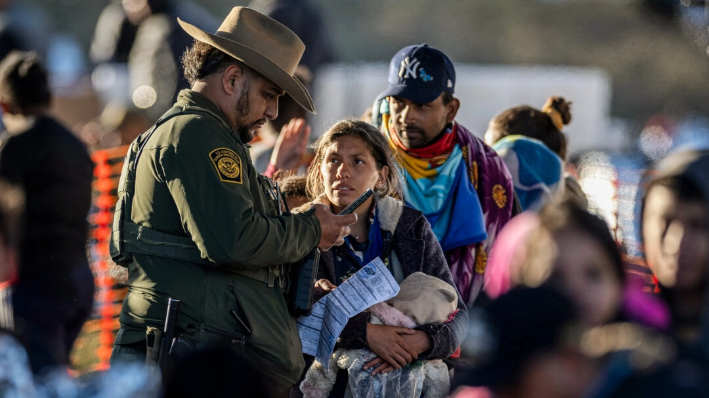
[449, 202]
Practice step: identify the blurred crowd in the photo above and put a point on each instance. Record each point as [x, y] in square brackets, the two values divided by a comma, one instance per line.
[516, 280]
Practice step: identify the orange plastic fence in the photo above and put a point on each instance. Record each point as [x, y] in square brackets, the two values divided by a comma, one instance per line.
[106, 172]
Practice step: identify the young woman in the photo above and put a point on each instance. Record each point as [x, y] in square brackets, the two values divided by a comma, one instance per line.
[576, 252]
[351, 157]
[572, 249]
[541, 126]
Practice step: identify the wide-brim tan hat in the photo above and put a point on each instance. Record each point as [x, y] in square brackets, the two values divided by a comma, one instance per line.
[262, 43]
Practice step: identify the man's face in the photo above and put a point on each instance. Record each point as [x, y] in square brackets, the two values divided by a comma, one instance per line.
[254, 104]
[418, 125]
[676, 237]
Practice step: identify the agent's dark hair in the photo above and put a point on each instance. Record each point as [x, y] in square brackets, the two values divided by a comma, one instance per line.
[376, 143]
[202, 60]
[23, 81]
[544, 125]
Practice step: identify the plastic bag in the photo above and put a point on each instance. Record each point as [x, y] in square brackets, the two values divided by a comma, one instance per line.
[406, 382]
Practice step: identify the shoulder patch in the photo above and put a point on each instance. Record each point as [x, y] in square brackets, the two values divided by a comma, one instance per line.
[228, 165]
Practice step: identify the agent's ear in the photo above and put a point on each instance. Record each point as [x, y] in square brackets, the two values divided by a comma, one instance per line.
[452, 108]
[231, 79]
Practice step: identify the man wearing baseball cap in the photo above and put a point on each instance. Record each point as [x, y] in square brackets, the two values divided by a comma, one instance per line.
[197, 223]
[457, 181]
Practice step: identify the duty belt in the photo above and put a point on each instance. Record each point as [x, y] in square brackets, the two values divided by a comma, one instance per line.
[141, 240]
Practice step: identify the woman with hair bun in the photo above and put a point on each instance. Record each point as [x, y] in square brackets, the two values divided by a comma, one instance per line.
[544, 125]
[527, 139]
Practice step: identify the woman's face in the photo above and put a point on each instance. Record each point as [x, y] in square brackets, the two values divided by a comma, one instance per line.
[586, 271]
[348, 169]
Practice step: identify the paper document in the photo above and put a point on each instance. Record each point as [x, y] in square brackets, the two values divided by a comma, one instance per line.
[319, 331]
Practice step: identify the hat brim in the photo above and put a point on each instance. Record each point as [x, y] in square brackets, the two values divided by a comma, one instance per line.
[260, 63]
[411, 93]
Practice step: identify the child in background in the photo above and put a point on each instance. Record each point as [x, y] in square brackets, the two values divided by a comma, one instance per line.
[675, 232]
[292, 188]
[572, 249]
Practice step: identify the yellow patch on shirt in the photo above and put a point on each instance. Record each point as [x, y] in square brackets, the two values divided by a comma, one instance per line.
[500, 195]
[480, 260]
[228, 165]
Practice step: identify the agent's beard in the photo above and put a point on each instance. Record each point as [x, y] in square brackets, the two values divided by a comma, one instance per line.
[242, 111]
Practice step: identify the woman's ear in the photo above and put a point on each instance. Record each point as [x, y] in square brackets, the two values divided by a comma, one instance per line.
[383, 174]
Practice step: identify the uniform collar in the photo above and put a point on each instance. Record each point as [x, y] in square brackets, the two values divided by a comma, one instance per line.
[193, 98]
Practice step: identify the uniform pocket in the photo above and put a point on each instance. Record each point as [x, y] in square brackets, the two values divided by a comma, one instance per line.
[239, 317]
[274, 342]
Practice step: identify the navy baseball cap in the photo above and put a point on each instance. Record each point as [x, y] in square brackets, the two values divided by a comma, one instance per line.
[420, 74]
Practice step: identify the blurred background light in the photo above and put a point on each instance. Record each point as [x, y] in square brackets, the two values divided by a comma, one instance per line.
[144, 97]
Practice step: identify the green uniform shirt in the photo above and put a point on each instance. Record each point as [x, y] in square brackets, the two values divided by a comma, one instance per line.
[195, 179]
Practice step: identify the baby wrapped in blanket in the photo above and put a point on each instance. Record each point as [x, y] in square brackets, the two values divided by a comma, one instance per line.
[422, 299]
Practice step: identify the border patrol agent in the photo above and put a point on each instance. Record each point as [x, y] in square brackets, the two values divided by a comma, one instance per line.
[196, 222]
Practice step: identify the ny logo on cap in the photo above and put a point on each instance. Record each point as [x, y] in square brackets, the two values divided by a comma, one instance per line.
[408, 68]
